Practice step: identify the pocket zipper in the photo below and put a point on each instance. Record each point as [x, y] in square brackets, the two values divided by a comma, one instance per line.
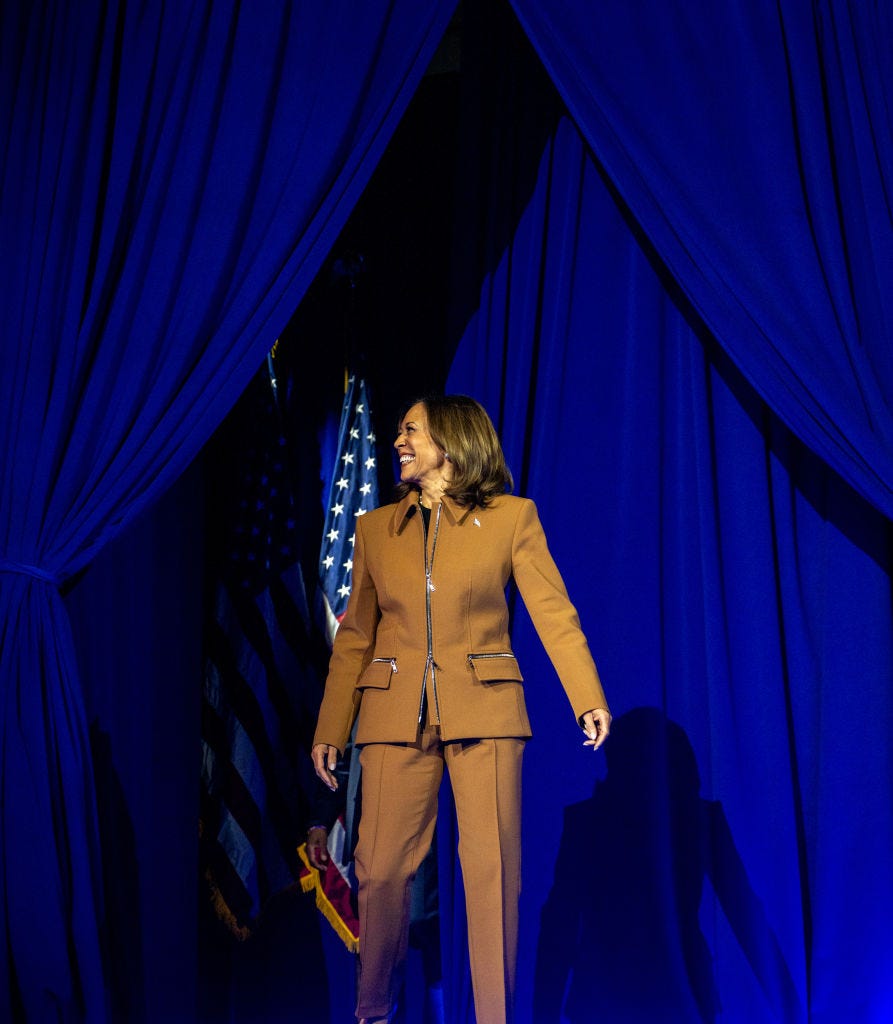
[493, 654]
[389, 661]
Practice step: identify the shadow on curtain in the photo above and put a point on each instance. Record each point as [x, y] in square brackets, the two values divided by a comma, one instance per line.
[595, 939]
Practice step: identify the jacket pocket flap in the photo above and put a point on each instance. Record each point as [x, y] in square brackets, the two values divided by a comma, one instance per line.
[377, 674]
[494, 668]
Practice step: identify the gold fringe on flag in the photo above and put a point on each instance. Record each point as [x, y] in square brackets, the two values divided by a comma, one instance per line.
[312, 881]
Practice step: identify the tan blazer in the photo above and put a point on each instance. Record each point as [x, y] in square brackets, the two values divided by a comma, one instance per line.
[380, 661]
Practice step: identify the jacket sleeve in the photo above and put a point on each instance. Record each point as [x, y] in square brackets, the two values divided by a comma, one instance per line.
[351, 653]
[554, 617]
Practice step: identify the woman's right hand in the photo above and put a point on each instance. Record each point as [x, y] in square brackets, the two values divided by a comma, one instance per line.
[325, 757]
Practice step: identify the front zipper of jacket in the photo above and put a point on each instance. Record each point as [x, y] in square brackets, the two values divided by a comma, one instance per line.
[430, 666]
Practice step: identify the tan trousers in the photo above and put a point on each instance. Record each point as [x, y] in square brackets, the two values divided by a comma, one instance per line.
[400, 788]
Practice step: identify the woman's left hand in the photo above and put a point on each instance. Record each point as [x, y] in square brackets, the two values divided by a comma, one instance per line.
[596, 724]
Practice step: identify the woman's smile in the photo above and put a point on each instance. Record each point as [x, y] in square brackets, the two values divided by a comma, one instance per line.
[421, 460]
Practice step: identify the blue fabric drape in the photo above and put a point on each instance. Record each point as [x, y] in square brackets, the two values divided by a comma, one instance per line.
[753, 143]
[136, 622]
[736, 592]
[172, 177]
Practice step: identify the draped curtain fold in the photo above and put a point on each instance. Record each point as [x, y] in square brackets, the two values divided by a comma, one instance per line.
[754, 146]
[172, 177]
[735, 591]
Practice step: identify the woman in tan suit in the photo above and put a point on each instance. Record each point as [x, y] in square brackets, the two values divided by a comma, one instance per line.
[423, 656]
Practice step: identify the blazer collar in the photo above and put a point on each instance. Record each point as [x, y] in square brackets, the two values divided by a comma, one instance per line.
[405, 509]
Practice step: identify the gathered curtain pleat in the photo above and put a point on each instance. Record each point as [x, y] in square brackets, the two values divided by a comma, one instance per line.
[754, 146]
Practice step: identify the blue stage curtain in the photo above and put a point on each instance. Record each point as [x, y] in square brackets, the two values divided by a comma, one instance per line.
[730, 849]
[172, 177]
[753, 143]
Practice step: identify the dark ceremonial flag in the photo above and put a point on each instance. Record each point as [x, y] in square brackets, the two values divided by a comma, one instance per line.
[260, 689]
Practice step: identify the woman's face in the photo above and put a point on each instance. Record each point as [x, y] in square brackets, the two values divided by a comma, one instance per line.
[421, 461]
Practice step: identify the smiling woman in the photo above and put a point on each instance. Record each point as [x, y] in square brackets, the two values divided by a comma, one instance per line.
[423, 662]
[464, 448]
[423, 462]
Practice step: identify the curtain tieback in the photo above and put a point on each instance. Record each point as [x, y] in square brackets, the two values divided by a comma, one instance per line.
[7, 565]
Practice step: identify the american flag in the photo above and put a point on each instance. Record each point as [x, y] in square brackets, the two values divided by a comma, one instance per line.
[352, 493]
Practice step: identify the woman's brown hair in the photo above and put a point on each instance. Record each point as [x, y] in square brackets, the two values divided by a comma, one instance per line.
[461, 427]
